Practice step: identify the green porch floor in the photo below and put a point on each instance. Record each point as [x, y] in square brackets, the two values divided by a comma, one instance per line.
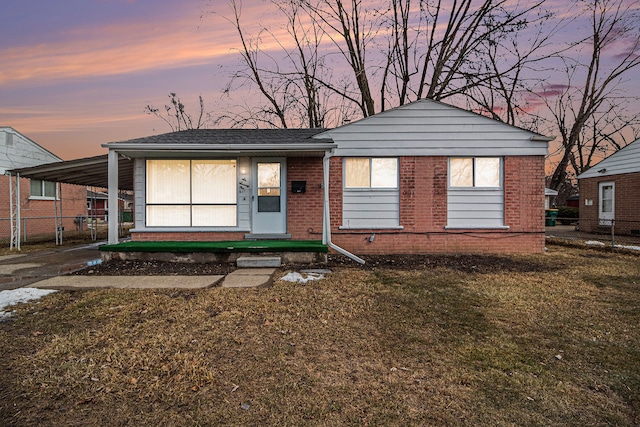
[220, 247]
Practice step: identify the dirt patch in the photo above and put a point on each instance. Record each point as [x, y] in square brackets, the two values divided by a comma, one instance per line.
[463, 263]
[156, 268]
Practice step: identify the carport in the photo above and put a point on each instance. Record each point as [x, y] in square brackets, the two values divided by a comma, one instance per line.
[88, 172]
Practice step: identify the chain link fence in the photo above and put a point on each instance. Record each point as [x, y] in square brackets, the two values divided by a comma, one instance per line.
[614, 234]
[43, 229]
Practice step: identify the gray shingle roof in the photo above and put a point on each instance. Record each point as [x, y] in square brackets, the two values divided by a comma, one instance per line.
[233, 136]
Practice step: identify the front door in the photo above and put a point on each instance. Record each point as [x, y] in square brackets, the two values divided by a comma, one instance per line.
[606, 203]
[269, 196]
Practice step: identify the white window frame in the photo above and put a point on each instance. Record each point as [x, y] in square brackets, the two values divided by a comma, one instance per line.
[462, 195]
[371, 163]
[371, 218]
[473, 172]
[41, 196]
[191, 204]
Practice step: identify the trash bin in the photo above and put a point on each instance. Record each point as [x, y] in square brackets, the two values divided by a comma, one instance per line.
[550, 216]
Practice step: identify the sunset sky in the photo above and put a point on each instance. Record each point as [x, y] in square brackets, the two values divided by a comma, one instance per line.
[78, 73]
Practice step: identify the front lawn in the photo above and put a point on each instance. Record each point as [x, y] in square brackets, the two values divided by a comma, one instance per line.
[550, 339]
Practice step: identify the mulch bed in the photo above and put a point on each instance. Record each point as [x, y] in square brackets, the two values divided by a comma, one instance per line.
[463, 263]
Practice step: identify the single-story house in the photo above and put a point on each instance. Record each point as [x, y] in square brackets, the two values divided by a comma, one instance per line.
[610, 193]
[549, 198]
[97, 204]
[33, 207]
[425, 177]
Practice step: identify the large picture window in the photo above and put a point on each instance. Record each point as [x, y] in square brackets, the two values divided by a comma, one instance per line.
[191, 193]
[474, 172]
[371, 173]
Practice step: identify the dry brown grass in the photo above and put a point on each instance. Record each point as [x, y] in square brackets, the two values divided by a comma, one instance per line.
[552, 340]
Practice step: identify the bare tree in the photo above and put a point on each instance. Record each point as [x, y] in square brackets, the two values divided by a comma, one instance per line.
[298, 88]
[175, 115]
[589, 107]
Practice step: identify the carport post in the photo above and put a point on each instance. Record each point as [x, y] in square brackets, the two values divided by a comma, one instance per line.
[113, 197]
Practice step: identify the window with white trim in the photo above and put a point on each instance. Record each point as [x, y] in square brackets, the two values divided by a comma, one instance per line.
[373, 172]
[191, 193]
[371, 195]
[42, 189]
[475, 172]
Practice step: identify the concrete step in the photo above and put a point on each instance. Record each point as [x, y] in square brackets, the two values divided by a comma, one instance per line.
[249, 278]
[258, 261]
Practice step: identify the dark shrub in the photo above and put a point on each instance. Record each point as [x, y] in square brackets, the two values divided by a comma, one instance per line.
[567, 215]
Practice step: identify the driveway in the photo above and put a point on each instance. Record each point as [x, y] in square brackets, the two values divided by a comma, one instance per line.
[25, 269]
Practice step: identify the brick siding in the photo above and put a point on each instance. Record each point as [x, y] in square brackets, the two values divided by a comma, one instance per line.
[423, 212]
[626, 202]
[73, 199]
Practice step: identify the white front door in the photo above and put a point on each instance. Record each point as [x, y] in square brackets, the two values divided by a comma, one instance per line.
[606, 203]
[269, 196]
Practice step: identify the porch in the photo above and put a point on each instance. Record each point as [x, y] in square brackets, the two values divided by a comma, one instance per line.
[289, 251]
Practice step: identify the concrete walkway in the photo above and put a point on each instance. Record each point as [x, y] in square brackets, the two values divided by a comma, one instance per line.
[48, 270]
[249, 278]
[129, 282]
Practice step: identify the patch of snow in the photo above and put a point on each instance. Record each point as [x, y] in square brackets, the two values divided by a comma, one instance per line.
[12, 297]
[633, 248]
[302, 278]
[596, 243]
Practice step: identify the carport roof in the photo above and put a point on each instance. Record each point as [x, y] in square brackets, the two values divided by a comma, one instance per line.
[90, 171]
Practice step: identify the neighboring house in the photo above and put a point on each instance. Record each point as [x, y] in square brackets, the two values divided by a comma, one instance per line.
[36, 197]
[426, 177]
[549, 198]
[97, 204]
[610, 191]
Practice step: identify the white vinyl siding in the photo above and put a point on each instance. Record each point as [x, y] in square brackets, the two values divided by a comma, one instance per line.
[244, 193]
[431, 128]
[18, 151]
[472, 208]
[475, 197]
[371, 197]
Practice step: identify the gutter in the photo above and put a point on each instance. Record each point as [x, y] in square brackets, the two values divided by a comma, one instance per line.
[124, 146]
[326, 229]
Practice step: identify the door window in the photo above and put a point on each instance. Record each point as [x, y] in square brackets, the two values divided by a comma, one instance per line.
[269, 187]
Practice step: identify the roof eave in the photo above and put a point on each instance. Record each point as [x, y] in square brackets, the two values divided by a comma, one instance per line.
[219, 148]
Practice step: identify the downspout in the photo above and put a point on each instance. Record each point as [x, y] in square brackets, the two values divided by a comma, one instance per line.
[326, 229]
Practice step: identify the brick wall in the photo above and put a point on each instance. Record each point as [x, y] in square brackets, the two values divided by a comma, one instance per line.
[626, 202]
[73, 199]
[304, 210]
[180, 236]
[423, 212]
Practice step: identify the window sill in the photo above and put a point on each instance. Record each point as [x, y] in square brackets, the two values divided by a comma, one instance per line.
[189, 230]
[344, 227]
[42, 198]
[471, 227]
[367, 189]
